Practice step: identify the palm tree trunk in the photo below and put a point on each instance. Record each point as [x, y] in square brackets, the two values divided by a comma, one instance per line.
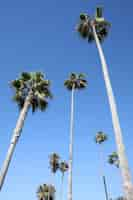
[102, 173]
[14, 140]
[71, 146]
[105, 188]
[61, 189]
[126, 175]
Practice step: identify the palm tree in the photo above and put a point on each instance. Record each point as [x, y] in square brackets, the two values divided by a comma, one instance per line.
[46, 192]
[113, 159]
[74, 82]
[31, 91]
[63, 168]
[100, 139]
[54, 162]
[96, 29]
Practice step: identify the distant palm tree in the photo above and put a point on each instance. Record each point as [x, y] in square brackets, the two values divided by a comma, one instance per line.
[99, 139]
[54, 162]
[113, 159]
[31, 90]
[46, 192]
[63, 168]
[96, 29]
[75, 82]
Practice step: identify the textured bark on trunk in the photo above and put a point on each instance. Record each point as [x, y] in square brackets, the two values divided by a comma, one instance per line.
[126, 175]
[71, 146]
[14, 139]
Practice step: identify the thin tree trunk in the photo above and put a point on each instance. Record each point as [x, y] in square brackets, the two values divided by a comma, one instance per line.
[14, 140]
[105, 188]
[61, 189]
[126, 175]
[102, 173]
[71, 146]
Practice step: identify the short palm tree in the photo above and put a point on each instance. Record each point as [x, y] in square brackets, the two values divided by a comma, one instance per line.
[75, 82]
[31, 91]
[97, 29]
[46, 192]
[100, 139]
[113, 159]
[63, 167]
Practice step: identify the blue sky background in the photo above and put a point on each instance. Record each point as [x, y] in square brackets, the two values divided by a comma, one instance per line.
[40, 35]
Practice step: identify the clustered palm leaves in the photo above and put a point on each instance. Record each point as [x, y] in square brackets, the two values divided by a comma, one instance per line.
[54, 162]
[75, 80]
[85, 26]
[113, 159]
[63, 167]
[46, 192]
[100, 137]
[35, 84]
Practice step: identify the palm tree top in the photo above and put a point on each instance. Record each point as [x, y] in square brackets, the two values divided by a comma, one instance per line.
[113, 159]
[100, 137]
[76, 81]
[63, 166]
[45, 190]
[54, 162]
[102, 26]
[34, 83]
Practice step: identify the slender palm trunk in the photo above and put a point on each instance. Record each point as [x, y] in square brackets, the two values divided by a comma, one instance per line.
[105, 188]
[61, 189]
[14, 140]
[126, 175]
[71, 146]
[102, 173]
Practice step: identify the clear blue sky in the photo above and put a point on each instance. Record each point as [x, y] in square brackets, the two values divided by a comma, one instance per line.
[40, 35]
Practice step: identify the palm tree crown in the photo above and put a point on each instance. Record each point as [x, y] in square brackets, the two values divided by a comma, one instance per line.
[35, 84]
[75, 80]
[46, 192]
[85, 29]
[54, 162]
[113, 159]
[63, 166]
[100, 137]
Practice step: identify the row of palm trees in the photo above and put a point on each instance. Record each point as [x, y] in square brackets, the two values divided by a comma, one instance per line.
[113, 159]
[47, 191]
[32, 91]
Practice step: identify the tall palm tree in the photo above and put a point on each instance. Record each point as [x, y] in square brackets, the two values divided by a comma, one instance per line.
[74, 82]
[113, 159]
[100, 139]
[96, 29]
[63, 168]
[45, 192]
[31, 91]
